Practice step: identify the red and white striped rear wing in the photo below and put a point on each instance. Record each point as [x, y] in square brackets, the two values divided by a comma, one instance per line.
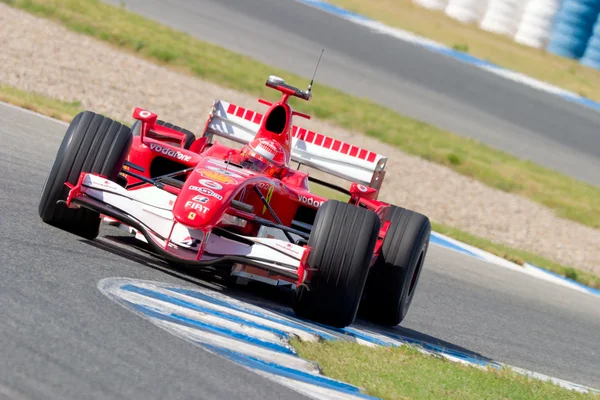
[313, 149]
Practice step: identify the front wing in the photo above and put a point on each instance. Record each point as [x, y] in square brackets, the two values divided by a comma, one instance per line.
[149, 211]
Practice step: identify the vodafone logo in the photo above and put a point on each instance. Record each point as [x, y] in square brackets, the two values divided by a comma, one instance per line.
[168, 152]
[310, 201]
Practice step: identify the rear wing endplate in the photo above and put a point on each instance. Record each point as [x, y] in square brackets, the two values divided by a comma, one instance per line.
[315, 150]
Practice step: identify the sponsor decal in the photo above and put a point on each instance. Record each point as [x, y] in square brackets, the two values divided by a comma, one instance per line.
[289, 248]
[206, 192]
[216, 176]
[105, 184]
[192, 215]
[268, 197]
[169, 152]
[310, 201]
[210, 184]
[228, 172]
[196, 206]
[201, 199]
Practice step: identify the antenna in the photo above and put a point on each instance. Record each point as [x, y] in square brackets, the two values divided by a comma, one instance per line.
[315, 74]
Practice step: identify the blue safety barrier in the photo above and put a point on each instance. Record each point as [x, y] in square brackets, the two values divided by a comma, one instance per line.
[591, 57]
[573, 27]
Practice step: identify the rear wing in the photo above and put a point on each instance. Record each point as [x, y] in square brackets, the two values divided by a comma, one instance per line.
[309, 148]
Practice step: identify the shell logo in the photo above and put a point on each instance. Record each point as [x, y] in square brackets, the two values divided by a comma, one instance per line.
[215, 176]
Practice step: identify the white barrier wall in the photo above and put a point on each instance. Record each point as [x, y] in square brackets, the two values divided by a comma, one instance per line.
[467, 11]
[536, 23]
[432, 4]
[502, 16]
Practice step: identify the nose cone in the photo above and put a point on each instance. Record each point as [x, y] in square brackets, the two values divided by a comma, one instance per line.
[207, 193]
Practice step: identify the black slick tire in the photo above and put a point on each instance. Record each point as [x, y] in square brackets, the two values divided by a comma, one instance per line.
[92, 143]
[343, 240]
[393, 280]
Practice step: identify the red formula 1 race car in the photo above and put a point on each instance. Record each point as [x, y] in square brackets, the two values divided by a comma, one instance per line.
[246, 213]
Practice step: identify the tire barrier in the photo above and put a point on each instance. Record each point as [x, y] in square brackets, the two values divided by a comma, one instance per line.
[466, 11]
[573, 27]
[502, 16]
[536, 23]
[567, 28]
[591, 57]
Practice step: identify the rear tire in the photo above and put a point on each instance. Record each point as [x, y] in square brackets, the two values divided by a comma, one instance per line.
[92, 143]
[342, 241]
[392, 281]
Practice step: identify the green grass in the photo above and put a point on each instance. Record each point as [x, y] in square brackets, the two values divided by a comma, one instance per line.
[568, 197]
[498, 49]
[39, 103]
[405, 373]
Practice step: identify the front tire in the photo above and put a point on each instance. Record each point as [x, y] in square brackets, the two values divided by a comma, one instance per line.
[342, 241]
[92, 143]
[392, 281]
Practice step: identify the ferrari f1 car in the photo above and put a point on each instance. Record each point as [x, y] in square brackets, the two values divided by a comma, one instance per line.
[246, 213]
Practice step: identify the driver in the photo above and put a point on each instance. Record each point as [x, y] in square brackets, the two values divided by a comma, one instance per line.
[264, 156]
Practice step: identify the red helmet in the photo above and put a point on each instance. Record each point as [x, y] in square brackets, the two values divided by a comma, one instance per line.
[264, 156]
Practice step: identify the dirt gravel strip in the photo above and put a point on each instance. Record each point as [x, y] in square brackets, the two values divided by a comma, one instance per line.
[42, 56]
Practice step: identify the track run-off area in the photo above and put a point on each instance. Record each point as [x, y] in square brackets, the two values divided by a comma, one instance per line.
[365, 61]
[71, 324]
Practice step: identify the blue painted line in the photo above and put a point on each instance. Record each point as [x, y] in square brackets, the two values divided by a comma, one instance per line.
[434, 238]
[330, 8]
[179, 319]
[581, 285]
[443, 49]
[182, 303]
[464, 57]
[356, 333]
[276, 369]
[255, 313]
[443, 350]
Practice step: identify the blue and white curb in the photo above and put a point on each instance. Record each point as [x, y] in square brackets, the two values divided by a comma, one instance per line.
[528, 269]
[257, 337]
[431, 45]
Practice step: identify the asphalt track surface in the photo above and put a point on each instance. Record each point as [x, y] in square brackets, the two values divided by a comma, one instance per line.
[61, 338]
[405, 77]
